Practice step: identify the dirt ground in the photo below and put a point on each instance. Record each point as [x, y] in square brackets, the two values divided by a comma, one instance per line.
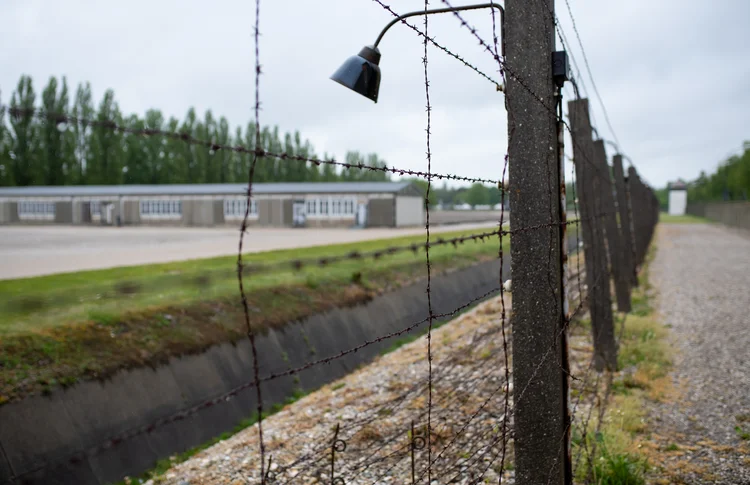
[38, 250]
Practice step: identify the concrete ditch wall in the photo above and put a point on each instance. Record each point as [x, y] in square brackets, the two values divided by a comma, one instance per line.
[39, 435]
[734, 214]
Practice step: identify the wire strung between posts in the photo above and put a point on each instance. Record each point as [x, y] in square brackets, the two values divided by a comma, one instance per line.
[428, 109]
[504, 68]
[431, 40]
[466, 376]
[503, 317]
[240, 272]
[564, 41]
[445, 370]
[107, 444]
[259, 152]
[183, 414]
[120, 438]
[489, 447]
[458, 436]
[520, 397]
[591, 76]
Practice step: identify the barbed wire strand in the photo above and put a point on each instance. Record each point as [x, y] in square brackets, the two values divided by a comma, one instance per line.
[240, 272]
[59, 118]
[591, 76]
[431, 40]
[428, 109]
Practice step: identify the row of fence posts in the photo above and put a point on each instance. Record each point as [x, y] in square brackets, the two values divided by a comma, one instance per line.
[618, 214]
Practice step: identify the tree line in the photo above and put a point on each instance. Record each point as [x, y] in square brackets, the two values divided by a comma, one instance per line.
[731, 181]
[39, 150]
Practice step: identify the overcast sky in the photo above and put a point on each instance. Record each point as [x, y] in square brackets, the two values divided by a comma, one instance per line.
[674, 75]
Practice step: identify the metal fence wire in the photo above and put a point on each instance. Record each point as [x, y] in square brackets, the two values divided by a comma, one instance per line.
[447, 413]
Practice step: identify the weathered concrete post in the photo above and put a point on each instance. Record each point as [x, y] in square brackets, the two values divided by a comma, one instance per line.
[611, 229]
[597, 276]
[639, 212]
[540, 385]
[626, 229]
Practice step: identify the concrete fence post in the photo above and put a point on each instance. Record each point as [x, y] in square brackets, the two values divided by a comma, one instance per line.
[597, 276]
[626, 229]
[640, 212]
[612, 230]
[540, 394]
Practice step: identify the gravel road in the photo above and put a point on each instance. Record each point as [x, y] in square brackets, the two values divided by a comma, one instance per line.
[702, 275]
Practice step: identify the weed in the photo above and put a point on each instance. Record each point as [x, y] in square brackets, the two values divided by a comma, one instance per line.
[619, 469]
[744, 435]
[672, 447]
[338, 386]
[103, 318]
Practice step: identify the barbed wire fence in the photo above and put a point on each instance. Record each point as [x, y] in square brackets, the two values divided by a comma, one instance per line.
[455, 416]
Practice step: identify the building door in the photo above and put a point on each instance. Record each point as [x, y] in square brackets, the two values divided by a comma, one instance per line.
[107, 210]
[362, 214]
[298, 213]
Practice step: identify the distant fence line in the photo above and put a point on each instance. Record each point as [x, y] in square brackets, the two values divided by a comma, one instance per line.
[734, 214]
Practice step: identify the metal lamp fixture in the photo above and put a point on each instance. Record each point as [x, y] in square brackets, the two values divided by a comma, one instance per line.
[361, 73]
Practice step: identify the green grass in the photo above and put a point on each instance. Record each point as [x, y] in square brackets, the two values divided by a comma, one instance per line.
[30, 304]
[56, 330]
[645, 359]
[686, 219]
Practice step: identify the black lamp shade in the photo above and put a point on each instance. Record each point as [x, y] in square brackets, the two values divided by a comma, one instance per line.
[361, 73]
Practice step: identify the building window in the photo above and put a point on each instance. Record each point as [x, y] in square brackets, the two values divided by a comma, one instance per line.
[95, 208]
[161, 209]
[311, 207]
[330, 207]
[235, 208]
[36, 210]
[336, 206]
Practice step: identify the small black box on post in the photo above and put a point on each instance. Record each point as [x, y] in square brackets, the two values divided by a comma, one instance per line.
[560, 68]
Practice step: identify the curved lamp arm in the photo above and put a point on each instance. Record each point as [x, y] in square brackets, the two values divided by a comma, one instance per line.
[445, 10]
[361, 73]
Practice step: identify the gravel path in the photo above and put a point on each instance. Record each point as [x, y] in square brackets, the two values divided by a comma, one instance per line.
[702, 275]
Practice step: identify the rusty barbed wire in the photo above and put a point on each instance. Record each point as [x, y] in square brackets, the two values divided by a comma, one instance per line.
[498, 85]
[120, 438]
[257, 152]
[591, 76]
[505, 69]
[128, 288]
[428, 109]
[114, 441]
[240, 272]
[503, 317]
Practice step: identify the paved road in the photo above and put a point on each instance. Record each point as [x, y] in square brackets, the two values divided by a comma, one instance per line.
[702, 274]
[38, 250]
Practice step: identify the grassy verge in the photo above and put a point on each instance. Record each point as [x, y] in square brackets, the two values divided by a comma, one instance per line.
[686, 219]
[611, 453]
[91, 324]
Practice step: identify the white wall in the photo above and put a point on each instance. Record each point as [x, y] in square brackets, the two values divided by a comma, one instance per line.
[409, 211]
[677, 202]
